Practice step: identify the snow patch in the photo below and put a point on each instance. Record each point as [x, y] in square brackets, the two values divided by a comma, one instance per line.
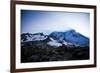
[54, 43]
[34, 38]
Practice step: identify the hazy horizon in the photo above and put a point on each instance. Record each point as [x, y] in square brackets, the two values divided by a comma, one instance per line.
[33, 21]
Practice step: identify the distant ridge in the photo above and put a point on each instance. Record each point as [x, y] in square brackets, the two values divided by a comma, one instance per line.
[57, 39]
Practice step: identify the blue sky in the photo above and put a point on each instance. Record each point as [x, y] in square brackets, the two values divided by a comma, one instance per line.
[33, 21]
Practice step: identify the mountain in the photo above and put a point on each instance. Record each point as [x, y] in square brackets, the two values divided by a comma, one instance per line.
[71, 36]
[68, 38]
[57, 46]
[25, 37]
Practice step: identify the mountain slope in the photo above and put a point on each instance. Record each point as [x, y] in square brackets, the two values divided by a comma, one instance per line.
[56, 39]
[71, 36]
[58, 46]
[25, 37]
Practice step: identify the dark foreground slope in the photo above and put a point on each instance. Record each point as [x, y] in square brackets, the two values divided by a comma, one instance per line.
[62, 53]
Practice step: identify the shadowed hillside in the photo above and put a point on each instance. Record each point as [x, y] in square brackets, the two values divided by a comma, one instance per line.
[62, 53]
